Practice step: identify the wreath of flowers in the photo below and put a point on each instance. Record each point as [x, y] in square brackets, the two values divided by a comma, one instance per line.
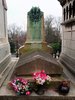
[21, 86]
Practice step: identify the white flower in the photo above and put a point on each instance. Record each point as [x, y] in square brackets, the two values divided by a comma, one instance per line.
[48, 78]
[26, 87]
[40, 81]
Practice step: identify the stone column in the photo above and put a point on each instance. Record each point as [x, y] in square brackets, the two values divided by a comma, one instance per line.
[4, 44]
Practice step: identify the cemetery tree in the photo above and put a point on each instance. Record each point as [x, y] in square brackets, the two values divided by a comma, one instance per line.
[58, 21]
[16, 37]
[52, 30]
[48, 28]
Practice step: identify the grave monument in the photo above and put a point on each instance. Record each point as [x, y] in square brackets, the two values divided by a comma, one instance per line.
[35, 54]
[31, 60]
[35, 32]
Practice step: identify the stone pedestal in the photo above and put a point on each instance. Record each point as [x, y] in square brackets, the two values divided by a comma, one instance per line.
[37, 61]
[34, 46]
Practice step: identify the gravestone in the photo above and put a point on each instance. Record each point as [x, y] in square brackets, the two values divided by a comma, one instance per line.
[35, 32]
[35, 54]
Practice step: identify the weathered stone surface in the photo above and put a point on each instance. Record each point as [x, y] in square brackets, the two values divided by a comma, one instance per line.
[68, 39]
[35, 33]
[35, 46]
[73, 45]
[66, 43]
[4, 51]
[4, 63]
[67, 35]
[73, 27]
[3, 19]
[34, 54]
[6, 67]
[5, 56]
[35, 25]
[37, 98]
[37, 61]
[66, 29]
[73, 35]
[69, 62]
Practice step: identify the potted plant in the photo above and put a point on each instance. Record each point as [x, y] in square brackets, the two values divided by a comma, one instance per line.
[64, 87]
[41, 82]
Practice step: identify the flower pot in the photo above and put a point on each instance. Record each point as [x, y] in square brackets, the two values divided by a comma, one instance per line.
[64, 87]
[64, 90]
[40, 90]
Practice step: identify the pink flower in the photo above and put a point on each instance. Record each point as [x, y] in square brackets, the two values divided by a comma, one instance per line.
[16, 89]
[43, 71]
[28, 93]
[24, 81]
[34, 74]
[48, 78]
[40, 77]
[43, 76]
[18, 79]
[10, 84]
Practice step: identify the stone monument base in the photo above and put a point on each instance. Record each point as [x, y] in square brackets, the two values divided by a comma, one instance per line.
[37, 61]
[34, 46]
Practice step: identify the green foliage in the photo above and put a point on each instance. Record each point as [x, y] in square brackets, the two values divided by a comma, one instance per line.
[56, 47]
[52, 38]
[12, 47]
